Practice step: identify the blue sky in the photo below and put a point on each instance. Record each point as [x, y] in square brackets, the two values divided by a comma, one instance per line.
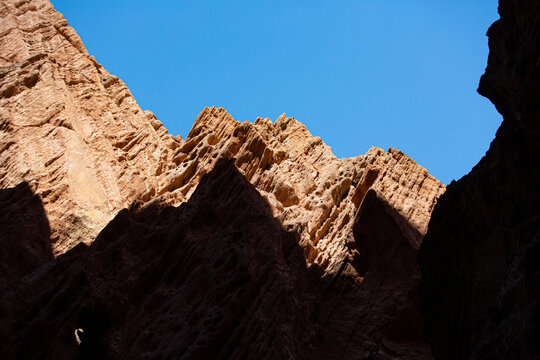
[357, 73]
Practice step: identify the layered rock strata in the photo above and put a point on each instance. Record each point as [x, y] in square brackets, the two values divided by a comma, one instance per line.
[480, 270]
[309, 189]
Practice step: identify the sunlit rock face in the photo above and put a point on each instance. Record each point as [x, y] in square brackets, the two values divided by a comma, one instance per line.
[69, 128]
[309, 189]
[245, 240]
[480, 270]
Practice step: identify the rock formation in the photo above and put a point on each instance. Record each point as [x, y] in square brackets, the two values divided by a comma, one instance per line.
[310, 190]
[77, 136]
[245, 240]
[480, 270]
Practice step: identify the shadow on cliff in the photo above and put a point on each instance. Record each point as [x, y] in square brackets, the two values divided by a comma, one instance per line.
[480, 290]
[218, 277]
[24, 234]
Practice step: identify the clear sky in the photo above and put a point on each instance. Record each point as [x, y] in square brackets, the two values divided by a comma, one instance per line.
[359, 73]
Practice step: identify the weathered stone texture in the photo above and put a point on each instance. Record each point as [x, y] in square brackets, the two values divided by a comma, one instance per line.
[76, 135]
[69, 128]
[309, 189]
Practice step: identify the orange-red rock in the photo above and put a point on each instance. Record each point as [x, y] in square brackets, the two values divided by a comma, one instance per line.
[77, 136]
[309, 189]
[69, 128]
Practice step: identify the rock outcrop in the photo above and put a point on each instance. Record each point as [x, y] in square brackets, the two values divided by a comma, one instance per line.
[309, 189]
[480, 270]
[245, 240]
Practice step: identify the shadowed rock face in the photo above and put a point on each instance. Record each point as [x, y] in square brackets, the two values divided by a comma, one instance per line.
[480, 286]
[218, 277]
[24, 234]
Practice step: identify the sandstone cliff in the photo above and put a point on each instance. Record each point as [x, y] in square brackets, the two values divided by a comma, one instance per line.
[309, 189]
[481, 274]
[243, 240]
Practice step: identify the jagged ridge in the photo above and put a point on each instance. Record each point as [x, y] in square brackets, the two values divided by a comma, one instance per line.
[93, 151]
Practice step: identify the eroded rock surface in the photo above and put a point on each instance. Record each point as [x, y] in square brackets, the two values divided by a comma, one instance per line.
[76, 135]
[309, 189]
[480, 285]
[69, 129]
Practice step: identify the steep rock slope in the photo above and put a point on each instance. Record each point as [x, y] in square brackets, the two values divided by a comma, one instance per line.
[480, 269]
[218, 277]
[68, 128]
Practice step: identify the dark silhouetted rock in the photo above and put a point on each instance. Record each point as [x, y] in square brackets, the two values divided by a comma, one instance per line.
[24, 234]
[480, 263]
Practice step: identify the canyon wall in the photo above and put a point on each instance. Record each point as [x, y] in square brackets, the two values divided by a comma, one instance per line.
[69, 129]
[245, 240]
[480, 269]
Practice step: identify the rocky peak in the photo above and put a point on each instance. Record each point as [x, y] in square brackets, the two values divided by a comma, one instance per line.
[77, 136]
[309, 189]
